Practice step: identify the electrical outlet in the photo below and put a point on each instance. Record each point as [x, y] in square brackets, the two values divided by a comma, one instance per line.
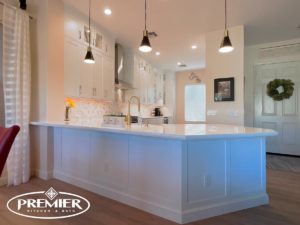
[206, 181]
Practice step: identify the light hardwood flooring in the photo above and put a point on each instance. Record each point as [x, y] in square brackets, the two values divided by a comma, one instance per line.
[284, 207]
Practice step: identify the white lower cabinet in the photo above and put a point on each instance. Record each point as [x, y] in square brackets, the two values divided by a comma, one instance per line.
[94, 81]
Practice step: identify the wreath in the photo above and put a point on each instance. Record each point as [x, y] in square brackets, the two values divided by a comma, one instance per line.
[288, 89]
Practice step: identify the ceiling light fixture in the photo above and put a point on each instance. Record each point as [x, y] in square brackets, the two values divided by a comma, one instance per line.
[226, 45]
[145, 45]
[157, 53]
[194, 46]
[179, 63]
[107, 11]
[89, 58]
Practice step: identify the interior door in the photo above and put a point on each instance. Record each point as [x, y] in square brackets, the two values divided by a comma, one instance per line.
[282, 116]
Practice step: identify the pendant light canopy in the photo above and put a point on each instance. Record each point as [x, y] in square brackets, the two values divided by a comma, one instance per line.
[226, 45]
[89, 58]
[145, 45]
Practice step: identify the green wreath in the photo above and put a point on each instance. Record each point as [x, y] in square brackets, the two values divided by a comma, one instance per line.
[288, 89]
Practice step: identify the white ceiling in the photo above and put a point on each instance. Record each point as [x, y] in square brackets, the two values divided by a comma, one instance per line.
[181, 23]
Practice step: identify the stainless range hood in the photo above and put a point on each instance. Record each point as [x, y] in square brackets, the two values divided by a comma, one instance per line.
[120, 72]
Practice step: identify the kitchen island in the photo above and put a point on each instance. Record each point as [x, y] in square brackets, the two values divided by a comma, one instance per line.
[179, 172]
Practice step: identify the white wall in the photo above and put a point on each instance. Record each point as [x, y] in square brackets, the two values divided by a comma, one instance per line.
[226, 65]
[47, 46]
[182, 79]
[219, 66]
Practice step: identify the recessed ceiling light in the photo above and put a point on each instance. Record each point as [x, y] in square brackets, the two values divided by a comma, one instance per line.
[194, 46]
[107, 11]
[157, 53]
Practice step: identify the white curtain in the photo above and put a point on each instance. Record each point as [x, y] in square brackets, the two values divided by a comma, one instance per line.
[16, 86]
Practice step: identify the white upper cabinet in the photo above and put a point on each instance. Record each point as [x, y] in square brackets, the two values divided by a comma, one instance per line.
[97, 76]
[85, 86]
[108, 80]
[72, 69]
[93, 81]
[147, 81]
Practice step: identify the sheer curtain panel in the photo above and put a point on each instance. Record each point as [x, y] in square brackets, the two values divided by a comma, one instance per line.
[16, 86]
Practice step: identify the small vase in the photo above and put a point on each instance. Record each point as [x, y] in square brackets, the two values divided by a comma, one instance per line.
[67, 114]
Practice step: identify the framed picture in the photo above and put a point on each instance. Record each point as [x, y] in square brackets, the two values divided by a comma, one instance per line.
[224, 89]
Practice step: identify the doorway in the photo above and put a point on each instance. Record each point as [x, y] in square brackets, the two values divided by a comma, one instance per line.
[282, 116]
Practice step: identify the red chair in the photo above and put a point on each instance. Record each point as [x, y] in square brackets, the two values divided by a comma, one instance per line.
[7, 137]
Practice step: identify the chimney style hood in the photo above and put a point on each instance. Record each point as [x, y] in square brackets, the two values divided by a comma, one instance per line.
[120, 72]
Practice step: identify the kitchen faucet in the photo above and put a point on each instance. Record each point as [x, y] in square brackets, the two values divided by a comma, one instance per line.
[128, 117]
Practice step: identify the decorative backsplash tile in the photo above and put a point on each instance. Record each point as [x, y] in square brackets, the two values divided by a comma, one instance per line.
[92, 111]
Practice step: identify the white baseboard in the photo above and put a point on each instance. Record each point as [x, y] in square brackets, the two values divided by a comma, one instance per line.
[162, 211]
[223, 208]
[45, 175]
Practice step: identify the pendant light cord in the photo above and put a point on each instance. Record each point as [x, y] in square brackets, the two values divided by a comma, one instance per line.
[145, 14]
[225, 14]
[90, 23]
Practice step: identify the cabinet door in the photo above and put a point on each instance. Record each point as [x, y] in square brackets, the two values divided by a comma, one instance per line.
[72, 69]
[108, 47]
[136, 73]
[143, 87]
[85, 87]
[97, 75]
[108, 78]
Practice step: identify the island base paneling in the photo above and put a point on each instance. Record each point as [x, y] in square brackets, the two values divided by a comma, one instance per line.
[180, 180]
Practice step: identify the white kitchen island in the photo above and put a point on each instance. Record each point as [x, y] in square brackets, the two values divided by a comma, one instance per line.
[179, 172]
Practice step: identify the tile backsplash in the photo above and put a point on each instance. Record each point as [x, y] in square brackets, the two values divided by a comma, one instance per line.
[92, 111]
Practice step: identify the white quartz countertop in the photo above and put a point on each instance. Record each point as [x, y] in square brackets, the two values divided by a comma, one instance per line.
[177, 131]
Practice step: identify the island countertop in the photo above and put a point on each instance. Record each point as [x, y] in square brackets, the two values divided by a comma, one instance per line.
[175, 131]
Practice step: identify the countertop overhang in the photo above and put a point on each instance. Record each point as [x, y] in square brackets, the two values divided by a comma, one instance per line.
[174, 131]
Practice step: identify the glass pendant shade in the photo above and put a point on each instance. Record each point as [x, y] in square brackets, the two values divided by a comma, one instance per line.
[226, 45]
[89, 58]
[145, 45]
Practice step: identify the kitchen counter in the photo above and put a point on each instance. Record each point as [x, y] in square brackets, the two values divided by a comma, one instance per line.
[177, 131]
[180, 172]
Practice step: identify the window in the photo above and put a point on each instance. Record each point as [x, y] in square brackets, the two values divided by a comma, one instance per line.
[195, 103]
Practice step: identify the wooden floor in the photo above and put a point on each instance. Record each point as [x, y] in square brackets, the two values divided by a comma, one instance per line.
[284, 207]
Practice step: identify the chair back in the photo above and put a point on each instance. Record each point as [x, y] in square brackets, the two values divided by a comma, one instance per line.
[7, 137]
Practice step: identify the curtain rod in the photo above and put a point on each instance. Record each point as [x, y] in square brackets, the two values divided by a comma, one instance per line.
[2, 3]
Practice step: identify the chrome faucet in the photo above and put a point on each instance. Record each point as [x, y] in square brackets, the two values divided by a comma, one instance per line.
[128, 117]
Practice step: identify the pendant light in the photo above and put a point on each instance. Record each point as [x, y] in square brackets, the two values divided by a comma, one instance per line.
[226, 45]
[145, 45]
[89, 58]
